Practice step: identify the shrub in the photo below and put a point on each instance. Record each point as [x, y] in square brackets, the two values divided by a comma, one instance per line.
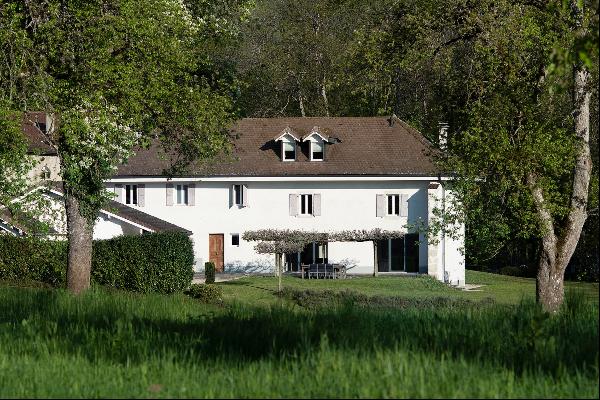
[157, 262]
[328, 299]
[206, 293]
[31, 259]
[209, 272]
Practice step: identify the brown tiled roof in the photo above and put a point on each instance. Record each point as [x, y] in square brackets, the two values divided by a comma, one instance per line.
[365, 146]
[38, 143]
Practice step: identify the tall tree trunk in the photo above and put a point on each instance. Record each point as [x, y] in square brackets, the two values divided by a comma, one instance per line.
[301, 102]
[324, 95]
[79, 233]
[558, 250]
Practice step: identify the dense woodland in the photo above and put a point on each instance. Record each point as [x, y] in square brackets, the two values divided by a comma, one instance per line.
[478, 66]
[515, 80]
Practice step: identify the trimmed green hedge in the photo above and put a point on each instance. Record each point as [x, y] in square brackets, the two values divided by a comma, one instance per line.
[156, 262]
[30, 259]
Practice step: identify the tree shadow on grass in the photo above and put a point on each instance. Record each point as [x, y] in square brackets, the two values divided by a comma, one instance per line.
[522, 338]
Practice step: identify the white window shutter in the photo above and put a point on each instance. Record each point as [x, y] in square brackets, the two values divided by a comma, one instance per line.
[317, 204]
[169, 194]
[404, 205]
[244, 196]
[380, 205]
[191, 194]
[141, 195]
[119, 192]
[293, 205]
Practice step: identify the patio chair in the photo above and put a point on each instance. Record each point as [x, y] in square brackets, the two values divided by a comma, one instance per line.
[313, 270]
[329, 271]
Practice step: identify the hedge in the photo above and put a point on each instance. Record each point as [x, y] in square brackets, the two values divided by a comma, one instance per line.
[156, 262]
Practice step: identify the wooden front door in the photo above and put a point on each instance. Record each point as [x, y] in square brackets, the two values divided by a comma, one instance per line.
[215, 249]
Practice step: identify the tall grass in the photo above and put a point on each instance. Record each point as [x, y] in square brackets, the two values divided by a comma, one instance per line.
[119, 344]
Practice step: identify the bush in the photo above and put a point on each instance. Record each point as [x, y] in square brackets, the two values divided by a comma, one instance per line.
[31, 259]
[157, 262]
[328, 299]
[209, 272]
[206, 293]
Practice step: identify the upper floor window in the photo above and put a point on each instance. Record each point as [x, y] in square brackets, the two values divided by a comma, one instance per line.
[317, 150]
[131, 195]
[288, 151]
[306, 204]
[393, 204]
[182, 194]
[238, 195]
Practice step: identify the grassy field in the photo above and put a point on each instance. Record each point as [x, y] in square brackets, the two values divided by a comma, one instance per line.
[255, 344]
[502, 289]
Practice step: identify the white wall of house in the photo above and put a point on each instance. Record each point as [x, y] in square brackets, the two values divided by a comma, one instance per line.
[345, 205]
[108, 227]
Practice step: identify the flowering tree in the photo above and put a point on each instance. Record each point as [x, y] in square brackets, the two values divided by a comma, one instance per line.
[114, 75]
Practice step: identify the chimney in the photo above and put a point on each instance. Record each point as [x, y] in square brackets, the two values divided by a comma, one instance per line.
[392, 119]
[443, 135]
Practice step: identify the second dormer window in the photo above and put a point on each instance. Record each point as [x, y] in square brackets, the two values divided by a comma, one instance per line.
[317, 152]
[289, 151]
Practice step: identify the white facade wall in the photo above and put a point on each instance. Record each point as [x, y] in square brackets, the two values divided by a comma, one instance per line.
[344, 205]
[108, 227]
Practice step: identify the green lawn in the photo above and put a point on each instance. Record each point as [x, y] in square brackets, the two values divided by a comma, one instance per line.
[502, 289]
[108, 343]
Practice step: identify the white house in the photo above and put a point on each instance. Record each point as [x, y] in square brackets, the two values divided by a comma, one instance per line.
[313, 174]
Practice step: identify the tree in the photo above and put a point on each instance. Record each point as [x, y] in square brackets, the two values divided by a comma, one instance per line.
[514, 80]
[114, 75]
[521, 141]
[292, 55]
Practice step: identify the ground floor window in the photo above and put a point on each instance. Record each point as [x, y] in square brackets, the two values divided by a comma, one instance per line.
[398, 254]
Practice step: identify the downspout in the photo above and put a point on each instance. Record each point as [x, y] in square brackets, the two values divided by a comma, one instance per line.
[443, 230]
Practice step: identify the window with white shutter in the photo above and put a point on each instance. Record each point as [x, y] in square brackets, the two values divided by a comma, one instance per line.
[131, 196]
[306, 204]
[393, 204]
[181, 197]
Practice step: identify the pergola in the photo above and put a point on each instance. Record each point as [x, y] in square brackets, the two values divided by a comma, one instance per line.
[288, 241]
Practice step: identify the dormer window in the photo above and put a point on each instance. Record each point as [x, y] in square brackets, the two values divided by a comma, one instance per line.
[288, 151]
[317, 150]
[288, 141]
[317, 139]
[41, 126]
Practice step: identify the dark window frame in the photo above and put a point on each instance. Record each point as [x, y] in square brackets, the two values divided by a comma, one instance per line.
[131, 195]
